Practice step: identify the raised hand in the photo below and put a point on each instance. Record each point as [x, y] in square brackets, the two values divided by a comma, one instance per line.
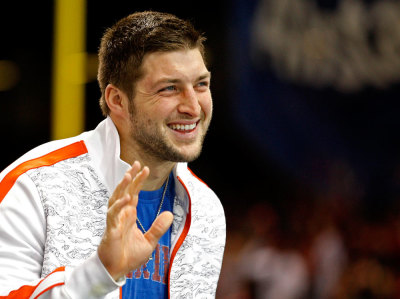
[124, 247]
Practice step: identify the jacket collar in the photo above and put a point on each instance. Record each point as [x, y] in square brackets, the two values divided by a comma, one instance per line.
[103, 144]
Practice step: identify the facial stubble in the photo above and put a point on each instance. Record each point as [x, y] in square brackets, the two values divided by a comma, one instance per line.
[155, 143]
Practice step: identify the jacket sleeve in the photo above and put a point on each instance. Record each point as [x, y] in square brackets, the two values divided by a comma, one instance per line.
[22, 243]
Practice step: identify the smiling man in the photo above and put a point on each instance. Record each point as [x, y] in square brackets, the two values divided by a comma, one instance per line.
[115, 212]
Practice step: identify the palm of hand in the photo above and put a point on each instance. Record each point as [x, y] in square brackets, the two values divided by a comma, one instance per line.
[124, 247]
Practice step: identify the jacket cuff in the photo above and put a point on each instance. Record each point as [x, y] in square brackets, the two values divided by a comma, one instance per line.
[90, 279]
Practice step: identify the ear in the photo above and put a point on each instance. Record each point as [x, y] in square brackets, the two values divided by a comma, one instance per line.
[116, 99]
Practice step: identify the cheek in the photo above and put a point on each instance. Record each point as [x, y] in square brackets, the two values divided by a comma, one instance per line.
[160, 111]
[206, 104]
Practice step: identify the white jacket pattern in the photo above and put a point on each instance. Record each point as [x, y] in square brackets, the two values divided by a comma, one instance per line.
[67, 204]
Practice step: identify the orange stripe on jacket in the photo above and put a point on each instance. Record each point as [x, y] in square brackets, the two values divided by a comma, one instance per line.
[181, 237]
[69, 151]
[197, 176]
[26, 291]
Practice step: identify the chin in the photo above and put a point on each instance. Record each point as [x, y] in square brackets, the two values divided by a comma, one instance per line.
[186, 156]
[191, 158]
[191, 154]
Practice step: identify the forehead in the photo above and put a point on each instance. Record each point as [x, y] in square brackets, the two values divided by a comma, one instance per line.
[175, 64]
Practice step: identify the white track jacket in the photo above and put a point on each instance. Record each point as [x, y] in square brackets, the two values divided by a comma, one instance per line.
[53, 206]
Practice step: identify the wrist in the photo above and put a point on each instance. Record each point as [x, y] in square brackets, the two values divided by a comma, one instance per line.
[108, 263]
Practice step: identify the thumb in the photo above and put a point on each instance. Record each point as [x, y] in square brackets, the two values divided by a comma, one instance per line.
[159, 228]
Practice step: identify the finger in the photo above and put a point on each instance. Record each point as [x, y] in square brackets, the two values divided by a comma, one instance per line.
[130, 174]
[159, 228]
[137, 183]
[135, 169]
[116, 208]
[121, 188]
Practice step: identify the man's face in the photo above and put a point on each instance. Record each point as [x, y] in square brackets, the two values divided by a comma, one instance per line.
[172, 107]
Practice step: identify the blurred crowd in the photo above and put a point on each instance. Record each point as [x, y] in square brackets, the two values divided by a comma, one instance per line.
[322, 244]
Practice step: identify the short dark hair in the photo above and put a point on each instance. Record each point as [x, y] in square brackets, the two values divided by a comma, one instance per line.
[125, 44]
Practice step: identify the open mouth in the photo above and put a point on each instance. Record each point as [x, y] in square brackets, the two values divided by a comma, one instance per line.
[183, 127]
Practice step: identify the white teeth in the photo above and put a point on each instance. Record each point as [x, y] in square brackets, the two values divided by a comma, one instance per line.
[183, 127]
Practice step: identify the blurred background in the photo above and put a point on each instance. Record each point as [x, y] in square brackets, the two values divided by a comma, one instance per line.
[303, 150]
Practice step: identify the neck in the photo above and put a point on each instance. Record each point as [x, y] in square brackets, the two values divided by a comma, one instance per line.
[158, 175]
[159, 170]
[131, 152]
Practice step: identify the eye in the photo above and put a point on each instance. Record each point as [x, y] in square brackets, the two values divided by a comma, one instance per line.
[168, 88]
[203, 85]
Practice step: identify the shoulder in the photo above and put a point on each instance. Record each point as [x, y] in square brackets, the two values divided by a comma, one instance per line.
[48, 153]
[44, 155]
[189, 179]
[198, 190]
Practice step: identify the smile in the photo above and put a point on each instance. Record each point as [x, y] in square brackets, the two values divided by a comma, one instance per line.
[183, 127]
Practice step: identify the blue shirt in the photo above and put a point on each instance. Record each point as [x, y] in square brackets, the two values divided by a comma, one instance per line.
[150, 280]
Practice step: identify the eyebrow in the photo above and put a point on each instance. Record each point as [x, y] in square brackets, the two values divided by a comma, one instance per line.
[167, 80]
[205, 76]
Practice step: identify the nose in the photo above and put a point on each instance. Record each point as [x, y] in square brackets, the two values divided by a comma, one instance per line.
[189, 103]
